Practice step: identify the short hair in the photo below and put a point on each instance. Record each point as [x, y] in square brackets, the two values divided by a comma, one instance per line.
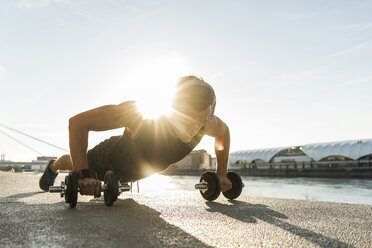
[192, 92]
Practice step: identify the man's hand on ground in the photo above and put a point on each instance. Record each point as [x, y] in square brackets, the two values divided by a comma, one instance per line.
[225, 183]
[90, 186]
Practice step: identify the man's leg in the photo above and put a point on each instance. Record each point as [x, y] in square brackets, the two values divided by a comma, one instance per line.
[63, 163]
[53, 167]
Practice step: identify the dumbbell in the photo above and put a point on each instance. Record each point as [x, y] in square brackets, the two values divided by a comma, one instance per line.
[210, 186]
[69, 188]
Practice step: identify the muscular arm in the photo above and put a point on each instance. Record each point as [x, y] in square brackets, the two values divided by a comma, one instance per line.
[222, 148]
[99, 119]
[216, 128]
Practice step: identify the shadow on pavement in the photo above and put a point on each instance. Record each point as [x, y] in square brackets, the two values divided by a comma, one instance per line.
[90, 224]
[22, 195]
[247, 212]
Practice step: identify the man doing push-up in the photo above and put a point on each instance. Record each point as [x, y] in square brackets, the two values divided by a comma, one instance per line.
[147, 146]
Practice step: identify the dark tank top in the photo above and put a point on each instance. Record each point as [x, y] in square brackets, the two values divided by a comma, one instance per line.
[153, 150]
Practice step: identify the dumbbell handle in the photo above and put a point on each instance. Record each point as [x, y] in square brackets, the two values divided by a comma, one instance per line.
[55, 189]
[62, 188]
[205, 186]
[201, 186]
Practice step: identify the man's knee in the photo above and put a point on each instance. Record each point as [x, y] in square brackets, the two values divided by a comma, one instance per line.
[66, 159]
[63, 163]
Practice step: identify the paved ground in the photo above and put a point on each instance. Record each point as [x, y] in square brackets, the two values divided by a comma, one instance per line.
[30, 218]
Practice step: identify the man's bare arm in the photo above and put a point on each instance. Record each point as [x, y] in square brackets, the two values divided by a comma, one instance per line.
[222, 149]
[99, 119]
[220, 131]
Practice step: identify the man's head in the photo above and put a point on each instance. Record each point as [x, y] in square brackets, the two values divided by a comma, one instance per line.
[193, 94]
[194, 103]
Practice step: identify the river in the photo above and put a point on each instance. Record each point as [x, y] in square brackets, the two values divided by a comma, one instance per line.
[320, 189]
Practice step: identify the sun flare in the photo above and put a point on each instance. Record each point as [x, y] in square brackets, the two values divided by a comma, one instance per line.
[152, 81]
[157, 181]
[154, 108]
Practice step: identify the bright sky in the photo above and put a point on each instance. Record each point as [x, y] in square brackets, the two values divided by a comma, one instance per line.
[284, 72]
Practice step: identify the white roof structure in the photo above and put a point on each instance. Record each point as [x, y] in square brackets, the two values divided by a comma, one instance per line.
[353, 149]
[265, 154]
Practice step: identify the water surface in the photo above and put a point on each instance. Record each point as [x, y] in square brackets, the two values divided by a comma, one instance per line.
[320, 189]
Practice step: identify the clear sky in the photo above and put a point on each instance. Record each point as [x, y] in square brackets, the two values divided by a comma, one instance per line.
[284, 72]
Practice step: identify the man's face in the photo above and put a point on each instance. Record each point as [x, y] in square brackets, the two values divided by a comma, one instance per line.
[198, 117]
[189, 122]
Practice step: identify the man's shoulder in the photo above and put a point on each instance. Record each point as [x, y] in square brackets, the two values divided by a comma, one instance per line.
[128, 104]
[130, 113]
[214, 126]
[129, 108]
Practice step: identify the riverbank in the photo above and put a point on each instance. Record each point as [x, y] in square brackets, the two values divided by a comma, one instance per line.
[161, 217]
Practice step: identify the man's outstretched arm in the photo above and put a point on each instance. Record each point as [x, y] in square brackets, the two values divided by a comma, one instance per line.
[220, 131]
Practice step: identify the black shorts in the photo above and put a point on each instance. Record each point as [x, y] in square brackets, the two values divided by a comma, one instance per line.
[131, 168]
[99, 157]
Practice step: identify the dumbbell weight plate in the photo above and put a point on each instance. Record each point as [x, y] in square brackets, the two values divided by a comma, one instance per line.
[214, 186]
[111, 190]
[237, 186]
[71, 188]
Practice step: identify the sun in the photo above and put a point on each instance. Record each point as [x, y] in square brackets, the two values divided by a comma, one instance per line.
[153, 79]
[149, 77]
[153, 108]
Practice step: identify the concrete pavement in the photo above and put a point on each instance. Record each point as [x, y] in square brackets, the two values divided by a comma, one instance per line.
[173, 218]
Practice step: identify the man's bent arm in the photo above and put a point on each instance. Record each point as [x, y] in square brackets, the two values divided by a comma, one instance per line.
[216, 128]
[222, 148]
[98, 119]
[78, 139]
[219, 130]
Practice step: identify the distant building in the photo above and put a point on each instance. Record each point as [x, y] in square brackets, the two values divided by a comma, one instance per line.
[44, 158]
[214, 163]
[198, 159]
[345, 152]
[40, 163]
[35, 165]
